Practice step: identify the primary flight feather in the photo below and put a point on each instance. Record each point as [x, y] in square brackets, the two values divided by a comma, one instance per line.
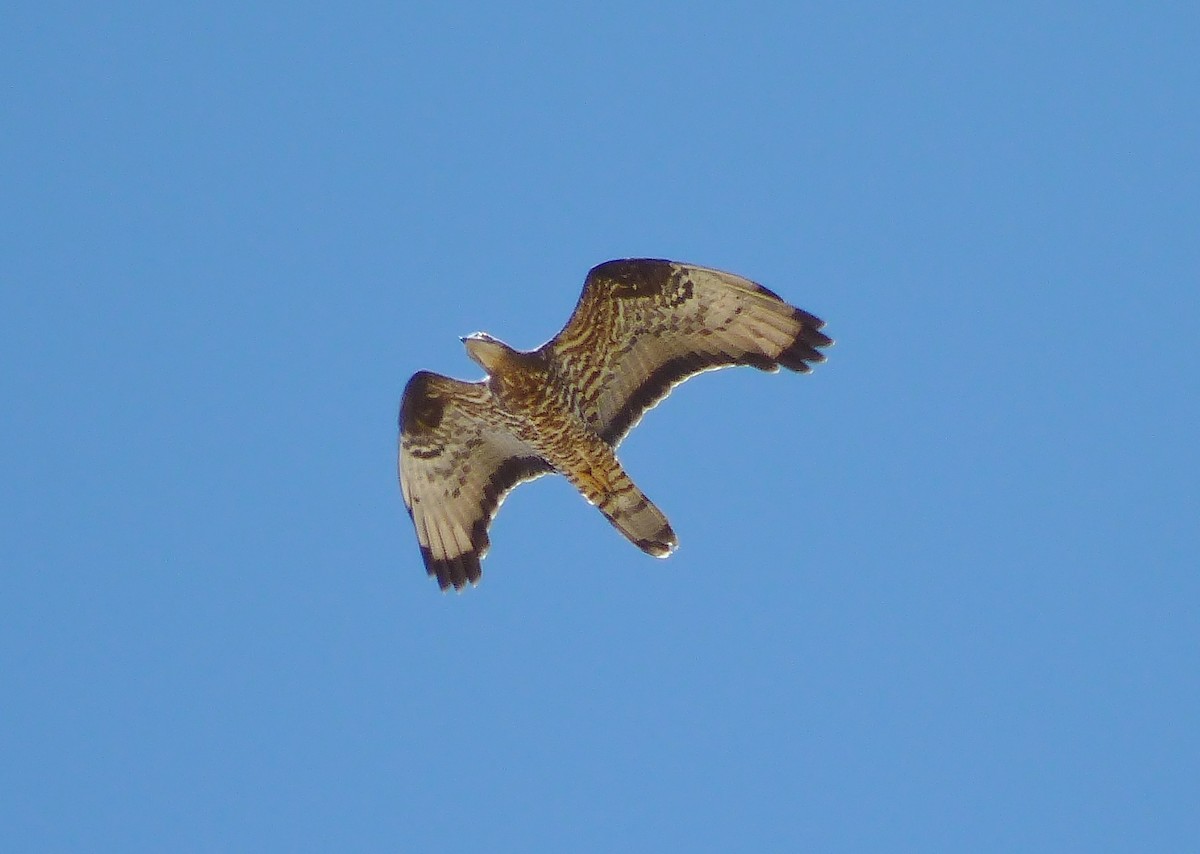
[642, 326]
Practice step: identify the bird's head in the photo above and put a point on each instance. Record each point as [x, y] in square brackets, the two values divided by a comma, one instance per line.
[490, 353]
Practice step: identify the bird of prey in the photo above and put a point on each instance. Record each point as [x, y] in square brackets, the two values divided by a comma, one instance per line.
[641, 327]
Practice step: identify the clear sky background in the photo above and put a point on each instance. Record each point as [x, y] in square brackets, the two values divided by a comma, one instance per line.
[942, 594]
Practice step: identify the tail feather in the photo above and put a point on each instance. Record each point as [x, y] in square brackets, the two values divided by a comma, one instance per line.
[643, 524]
[631, 513]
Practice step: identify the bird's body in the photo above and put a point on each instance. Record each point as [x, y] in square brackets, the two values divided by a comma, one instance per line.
[547, 414]
[641, 327]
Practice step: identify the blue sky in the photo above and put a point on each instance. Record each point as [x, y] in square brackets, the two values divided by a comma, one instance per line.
[940, 595]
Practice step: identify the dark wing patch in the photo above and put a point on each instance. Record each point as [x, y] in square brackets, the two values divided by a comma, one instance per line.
[630, 277]
[422, 406]
[642, 326]
[457, 462]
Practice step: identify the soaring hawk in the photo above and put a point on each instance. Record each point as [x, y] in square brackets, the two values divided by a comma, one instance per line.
[641, 327]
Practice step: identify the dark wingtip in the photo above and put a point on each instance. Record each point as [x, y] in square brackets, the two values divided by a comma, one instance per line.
[815, 338]
[456, 572]
[802, 353]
